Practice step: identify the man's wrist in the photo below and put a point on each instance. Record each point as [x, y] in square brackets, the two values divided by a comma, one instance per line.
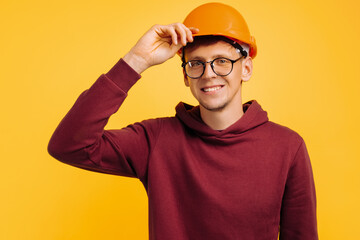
[137, 63]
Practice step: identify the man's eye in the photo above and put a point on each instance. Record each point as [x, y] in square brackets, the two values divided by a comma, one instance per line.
[222, 61]
[195, 64]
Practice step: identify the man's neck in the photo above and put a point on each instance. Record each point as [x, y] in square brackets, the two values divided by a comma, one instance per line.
[221, 119]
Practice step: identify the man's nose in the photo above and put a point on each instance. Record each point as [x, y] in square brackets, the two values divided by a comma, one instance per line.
[208, 71]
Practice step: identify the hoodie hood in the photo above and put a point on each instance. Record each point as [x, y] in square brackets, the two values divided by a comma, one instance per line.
[253, 117]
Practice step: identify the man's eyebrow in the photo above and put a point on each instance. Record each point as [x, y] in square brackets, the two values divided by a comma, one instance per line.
[212, 57]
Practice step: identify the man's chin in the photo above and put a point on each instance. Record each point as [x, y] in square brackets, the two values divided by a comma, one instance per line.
[213, 107]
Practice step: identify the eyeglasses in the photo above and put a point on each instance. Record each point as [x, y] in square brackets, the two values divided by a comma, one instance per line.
[221, 66]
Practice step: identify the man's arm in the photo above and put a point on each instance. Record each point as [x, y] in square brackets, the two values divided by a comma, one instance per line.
[298, 211]
[80, 138]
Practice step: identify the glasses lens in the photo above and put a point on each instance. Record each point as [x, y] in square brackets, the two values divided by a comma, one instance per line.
[222, 66]
[194, 69]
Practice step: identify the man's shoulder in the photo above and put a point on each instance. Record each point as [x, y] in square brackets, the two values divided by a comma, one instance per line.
[159, 120]
[156, 124]
[281, 132]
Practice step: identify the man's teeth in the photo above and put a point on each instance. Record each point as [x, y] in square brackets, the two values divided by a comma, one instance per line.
[211, 89]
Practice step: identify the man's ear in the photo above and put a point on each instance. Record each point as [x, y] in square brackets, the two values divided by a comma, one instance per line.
[186, 80]
[247, 68]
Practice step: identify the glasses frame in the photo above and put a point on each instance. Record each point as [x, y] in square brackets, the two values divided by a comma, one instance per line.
[183, 65]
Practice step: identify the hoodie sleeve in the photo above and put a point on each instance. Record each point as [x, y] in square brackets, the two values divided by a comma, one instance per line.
[80, 139]
[298, 211]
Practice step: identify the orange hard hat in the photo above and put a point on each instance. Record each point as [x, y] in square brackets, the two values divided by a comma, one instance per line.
[223, 20]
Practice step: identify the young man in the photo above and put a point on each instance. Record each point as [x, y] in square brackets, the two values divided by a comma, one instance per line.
[220, 170]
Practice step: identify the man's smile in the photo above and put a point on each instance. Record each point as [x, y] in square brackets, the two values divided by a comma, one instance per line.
[212, 89]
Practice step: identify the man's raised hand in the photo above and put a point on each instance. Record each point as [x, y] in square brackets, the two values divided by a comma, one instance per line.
[158, 44]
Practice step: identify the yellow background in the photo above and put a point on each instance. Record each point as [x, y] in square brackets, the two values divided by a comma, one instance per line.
[306, 76]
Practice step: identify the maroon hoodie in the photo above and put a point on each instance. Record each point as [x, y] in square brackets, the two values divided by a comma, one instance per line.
[244, 182]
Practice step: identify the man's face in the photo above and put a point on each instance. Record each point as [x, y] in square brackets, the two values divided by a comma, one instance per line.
[213, 92]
